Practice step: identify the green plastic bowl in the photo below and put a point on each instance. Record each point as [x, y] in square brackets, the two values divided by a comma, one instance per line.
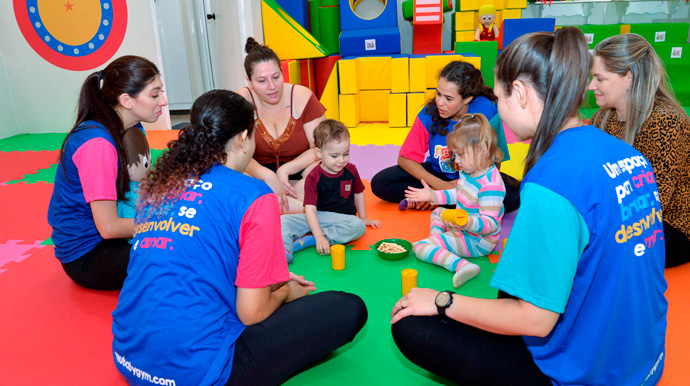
[394, 256]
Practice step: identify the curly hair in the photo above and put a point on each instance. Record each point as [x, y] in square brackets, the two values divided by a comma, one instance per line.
[216, 117]
[470, 83]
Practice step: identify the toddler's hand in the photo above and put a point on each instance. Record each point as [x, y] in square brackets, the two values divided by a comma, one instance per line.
[372, 223]
[323, 246]
[416, 194]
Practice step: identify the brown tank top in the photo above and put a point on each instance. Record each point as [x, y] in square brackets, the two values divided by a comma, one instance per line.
[290, 144]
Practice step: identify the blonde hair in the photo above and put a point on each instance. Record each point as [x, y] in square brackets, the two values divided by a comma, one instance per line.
[475, 132]
[625, 53]
[487, 9]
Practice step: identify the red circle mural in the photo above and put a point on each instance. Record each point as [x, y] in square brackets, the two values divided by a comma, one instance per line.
[75, 35]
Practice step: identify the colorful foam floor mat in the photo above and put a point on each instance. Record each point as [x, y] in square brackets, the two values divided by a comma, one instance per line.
[55, 332]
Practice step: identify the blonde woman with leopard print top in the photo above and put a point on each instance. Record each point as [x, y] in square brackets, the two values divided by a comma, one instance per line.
[635, 105]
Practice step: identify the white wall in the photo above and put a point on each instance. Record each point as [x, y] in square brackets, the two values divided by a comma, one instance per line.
[45, 96]
[8, 118]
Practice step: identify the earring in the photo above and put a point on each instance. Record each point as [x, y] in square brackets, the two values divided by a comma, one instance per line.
[627, 88]
[522, 104]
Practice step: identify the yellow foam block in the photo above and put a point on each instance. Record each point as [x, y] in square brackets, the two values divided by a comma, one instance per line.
[515, 3]
[464, 36]
[417, 74]
[374, 72]
[397, 110]
[625, 29]
[377, 134]
[349, 109]
[415, 102]
[400, 74]
[349, 76]
[285, 36]
[465, 21]
[294, 71]
[435, 63]
[373, 105]
[469, 5]
[473, 5]
[515, 167]
[508, 14]
[329, 98]
[430, 93]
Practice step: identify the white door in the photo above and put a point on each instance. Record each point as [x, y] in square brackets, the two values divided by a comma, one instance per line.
[231, 22]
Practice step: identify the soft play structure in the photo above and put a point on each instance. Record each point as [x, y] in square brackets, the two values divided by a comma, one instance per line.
[355, 65]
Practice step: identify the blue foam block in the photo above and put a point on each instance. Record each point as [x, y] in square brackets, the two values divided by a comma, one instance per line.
[514, 28]
[350, 21]
[298, 9]
[370, 42]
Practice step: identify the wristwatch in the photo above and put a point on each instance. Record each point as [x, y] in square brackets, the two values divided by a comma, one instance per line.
[444, 300]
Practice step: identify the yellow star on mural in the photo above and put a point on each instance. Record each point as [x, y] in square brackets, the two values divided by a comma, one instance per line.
[69, 6]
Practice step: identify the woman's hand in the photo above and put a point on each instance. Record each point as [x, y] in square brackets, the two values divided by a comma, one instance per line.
[296, 291]
[424, 194]
[277, 187]
[417, 302]
[309, 285]
[284, 179]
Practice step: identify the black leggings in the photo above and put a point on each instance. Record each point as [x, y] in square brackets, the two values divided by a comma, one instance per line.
[466, 355]
[296, 335]
[102, 268]
[389, 185]
[677, 246]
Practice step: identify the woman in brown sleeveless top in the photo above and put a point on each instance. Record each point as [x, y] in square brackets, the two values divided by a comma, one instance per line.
[286, 116]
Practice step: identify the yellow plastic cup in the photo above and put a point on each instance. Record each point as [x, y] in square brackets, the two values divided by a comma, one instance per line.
[409, 280]
[456, 216]
[338, 257]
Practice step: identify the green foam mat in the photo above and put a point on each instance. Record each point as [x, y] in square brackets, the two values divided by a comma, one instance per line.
[672, 33]
[24, 142]
[373, 358]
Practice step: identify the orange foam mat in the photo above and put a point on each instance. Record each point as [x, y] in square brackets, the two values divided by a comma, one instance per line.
[411, 225]
[677, 336]
[158, 139]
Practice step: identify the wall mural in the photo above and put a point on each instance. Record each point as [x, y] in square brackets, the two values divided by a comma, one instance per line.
[75, 35]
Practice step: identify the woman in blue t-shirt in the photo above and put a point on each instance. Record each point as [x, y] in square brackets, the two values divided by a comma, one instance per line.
[582, 274]
[209, 299]
[90, 238]
[460, 90]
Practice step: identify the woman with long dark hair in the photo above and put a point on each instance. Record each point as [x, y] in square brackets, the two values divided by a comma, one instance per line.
[579, 281]
[209, 299]
[460, 90]
[90, 238]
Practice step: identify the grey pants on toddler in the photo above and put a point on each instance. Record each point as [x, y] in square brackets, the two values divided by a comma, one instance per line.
[337, 227]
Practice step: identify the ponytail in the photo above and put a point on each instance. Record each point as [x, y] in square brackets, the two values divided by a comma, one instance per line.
[97, 100]
[557, 66]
